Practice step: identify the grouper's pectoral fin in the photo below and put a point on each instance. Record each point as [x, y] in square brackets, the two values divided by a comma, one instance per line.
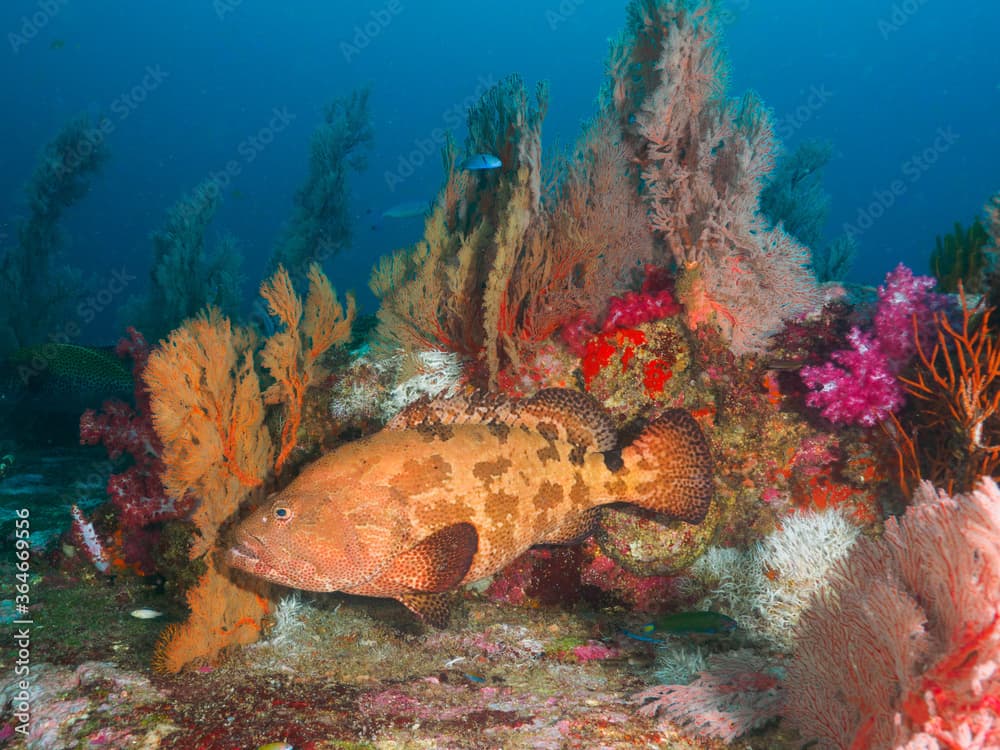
[437, 563]
[434, 609]
[428, 571]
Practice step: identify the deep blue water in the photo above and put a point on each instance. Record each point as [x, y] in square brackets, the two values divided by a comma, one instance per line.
[909, 92]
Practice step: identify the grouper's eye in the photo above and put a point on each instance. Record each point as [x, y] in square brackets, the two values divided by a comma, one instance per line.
[282, 513]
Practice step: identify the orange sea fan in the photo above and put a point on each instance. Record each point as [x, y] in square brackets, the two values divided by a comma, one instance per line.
[208, 412]
[291, 355]
[224, 612]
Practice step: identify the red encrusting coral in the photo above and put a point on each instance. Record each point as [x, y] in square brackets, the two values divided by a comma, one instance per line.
[649, 594]
[603, 347]
[618, 336]
[541, 576]
[654, 301]
[656, 374]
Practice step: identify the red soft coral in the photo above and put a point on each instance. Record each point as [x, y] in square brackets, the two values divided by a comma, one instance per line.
[137, 491]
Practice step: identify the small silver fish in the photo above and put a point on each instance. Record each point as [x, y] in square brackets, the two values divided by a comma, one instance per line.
[145, 613]
[407, 210]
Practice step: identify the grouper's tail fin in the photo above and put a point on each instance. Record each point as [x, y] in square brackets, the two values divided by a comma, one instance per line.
[668, 469]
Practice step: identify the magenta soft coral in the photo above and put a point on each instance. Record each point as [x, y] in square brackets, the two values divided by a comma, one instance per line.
[859, 385]
[137, 492]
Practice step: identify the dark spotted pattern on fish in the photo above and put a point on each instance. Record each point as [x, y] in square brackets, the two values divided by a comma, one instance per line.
[454, 490]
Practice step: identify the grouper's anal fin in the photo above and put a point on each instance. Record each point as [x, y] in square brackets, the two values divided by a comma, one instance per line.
[434, 609]
[427, 573]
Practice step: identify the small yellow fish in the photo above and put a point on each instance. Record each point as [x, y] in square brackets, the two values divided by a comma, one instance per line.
[145, 614]
[276, 746]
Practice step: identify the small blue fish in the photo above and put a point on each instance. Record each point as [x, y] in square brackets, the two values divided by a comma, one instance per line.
[643, 638]
[482, 161]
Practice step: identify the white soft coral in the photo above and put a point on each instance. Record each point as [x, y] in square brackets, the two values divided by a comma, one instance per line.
[766, 588]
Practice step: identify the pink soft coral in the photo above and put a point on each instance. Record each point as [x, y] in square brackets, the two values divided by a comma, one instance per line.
[859, 385]
[137, 491]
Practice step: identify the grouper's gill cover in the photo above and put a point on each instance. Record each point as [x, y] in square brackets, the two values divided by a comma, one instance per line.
[453, 490]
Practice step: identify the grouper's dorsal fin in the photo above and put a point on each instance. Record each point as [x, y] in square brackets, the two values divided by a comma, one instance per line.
[436, 564]
[478, 407]
[557, 413]
[577, 417]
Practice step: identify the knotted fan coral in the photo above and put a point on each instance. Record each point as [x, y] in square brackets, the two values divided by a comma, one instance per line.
[903, 649]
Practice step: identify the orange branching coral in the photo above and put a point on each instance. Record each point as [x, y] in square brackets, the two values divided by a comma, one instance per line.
[225, 611]
[291, 355]
[208, 412]
[958, 386]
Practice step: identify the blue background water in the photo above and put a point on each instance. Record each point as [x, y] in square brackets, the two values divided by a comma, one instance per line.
[909, 92]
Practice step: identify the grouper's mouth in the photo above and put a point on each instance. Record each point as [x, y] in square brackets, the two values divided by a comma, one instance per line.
[244, 554]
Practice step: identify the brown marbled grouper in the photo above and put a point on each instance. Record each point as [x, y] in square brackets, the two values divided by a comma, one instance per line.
[453, 490]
